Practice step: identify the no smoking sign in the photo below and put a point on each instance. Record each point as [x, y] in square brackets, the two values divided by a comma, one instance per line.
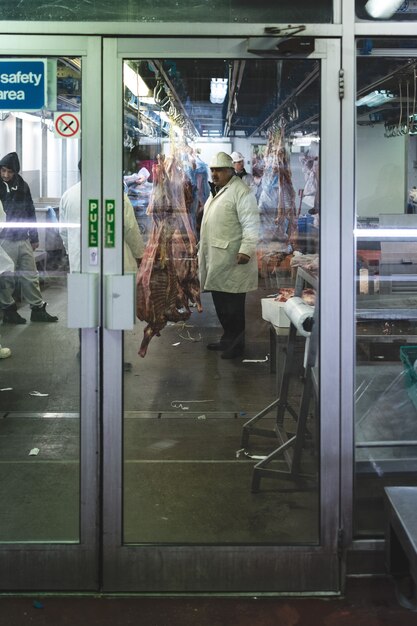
[67, 125]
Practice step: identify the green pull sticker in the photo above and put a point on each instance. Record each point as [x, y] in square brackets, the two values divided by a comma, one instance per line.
[109, 237]
[93, 223]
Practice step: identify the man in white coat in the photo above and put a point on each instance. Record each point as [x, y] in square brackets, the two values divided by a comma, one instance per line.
[69, 229]
[227, 252]
[239, 166]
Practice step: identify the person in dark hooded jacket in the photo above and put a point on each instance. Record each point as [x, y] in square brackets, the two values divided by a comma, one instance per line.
[19, 242]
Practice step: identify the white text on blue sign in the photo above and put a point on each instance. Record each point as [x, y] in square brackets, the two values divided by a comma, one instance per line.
[22, 85]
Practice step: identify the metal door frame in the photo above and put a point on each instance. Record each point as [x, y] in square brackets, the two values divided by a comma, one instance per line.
[68, 565]
[185, 569]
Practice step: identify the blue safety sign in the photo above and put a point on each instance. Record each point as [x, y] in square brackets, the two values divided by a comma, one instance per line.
[22, 84]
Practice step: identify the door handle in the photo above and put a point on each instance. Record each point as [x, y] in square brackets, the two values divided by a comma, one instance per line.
[119, 299]
[82, 306]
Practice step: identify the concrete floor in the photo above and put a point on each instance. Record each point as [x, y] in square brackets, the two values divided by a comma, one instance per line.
[367, 602]
[184, 408]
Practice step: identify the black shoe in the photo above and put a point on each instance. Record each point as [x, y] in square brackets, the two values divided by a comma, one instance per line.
[39, 314]
[219, 345]
[11, 316]
[233, 351]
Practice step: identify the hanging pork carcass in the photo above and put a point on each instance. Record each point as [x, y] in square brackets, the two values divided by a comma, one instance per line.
[167, 280]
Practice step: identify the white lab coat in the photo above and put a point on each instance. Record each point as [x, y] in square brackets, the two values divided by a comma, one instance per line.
[70, 213]
[230, 225]
[132, 239]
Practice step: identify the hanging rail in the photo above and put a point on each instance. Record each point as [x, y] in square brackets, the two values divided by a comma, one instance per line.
[289, 101]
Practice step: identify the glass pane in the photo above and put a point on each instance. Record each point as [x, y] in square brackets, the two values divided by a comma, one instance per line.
[40, 373]
[391, 10]
[196, 435]
[221, 11]
[386, 294]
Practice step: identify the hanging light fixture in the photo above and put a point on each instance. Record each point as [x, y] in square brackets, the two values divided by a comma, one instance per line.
[218, 90]
[375, 98]
[382, 9]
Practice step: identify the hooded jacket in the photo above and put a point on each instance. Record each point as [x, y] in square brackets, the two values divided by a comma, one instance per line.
[17, 202]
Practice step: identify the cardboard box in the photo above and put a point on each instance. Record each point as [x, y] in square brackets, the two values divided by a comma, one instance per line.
[273, 311]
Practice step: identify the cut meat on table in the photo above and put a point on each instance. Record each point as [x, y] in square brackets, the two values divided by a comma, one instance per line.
[308, 295]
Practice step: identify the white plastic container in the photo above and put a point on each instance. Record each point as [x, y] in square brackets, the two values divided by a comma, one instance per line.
[273, 312]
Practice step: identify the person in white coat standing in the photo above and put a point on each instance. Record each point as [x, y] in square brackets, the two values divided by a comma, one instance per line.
[227, 252]
[69, 229]
[239, 166]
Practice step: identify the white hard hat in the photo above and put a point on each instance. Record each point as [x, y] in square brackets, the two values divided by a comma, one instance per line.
[221, 159]
[237, 156]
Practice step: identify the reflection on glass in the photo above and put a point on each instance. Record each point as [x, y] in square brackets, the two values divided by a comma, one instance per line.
[217, 11]
[224, 184]
[386, 294]
[40, 390]
[394, 10]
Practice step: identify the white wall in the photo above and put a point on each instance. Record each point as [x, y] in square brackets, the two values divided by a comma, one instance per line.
[8, 135]
[209, 148]
[245, 147]
[381, 168]
[54, 149]
[31, 159]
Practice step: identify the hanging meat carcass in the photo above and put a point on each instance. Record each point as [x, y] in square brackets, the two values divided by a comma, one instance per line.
[277, 199]
[287, 211]
[268, 198]
[276, 204]
[167, 281]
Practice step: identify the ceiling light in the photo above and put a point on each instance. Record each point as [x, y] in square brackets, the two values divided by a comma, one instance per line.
[375, 98]
[382, 8]
[218, 90]
[134, 82]
[378, 233]
[305, 140]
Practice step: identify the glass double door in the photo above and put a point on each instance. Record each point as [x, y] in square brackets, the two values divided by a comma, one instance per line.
[181, 430]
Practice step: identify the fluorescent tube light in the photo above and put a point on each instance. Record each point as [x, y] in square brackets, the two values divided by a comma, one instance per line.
[378, 233]
[134, 82]
[27, 225]
[375, 98]
[382, 9]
